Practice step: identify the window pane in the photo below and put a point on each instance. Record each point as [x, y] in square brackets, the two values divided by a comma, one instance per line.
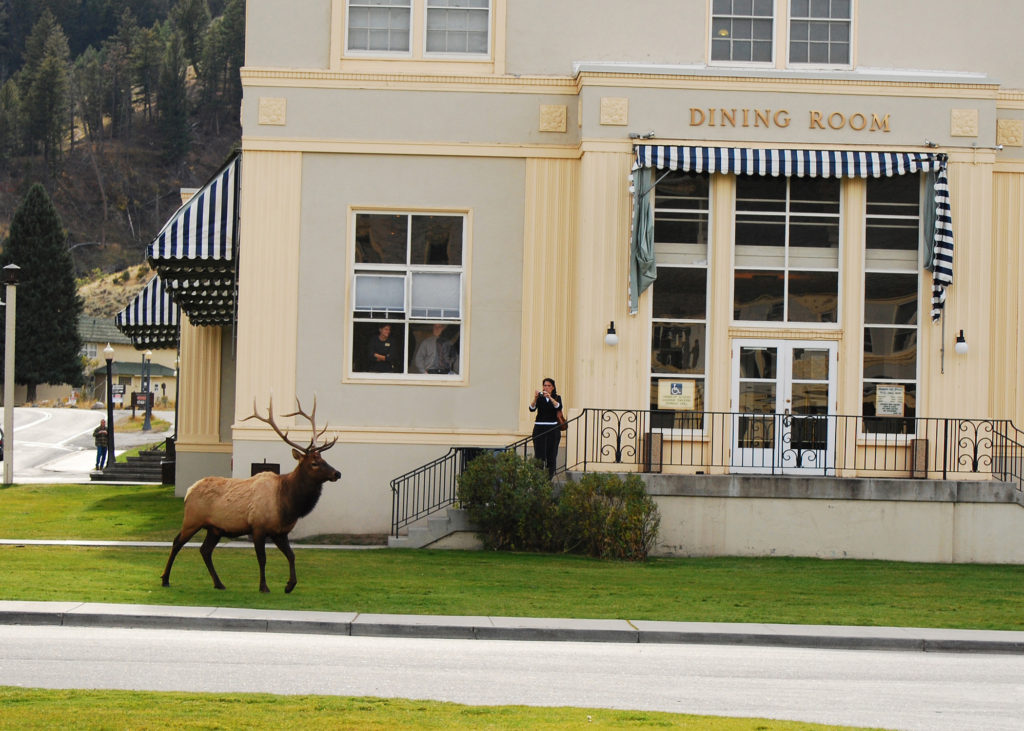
[680, 293]
[895, 196]
[378, 347]
[762, 51]
[890, 352]
[457, 26]
[895, 235]
[434, 348]
[379, 25]
[890, 424]
[677, 348]
[813, 297]
[436, 240]
[377, 294]
[682, 419]
[760, 193]
[436, 294]
[758, 296]
[381, 239]
[890, 299]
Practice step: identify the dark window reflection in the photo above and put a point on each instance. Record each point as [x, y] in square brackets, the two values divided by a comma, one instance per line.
[381, 238]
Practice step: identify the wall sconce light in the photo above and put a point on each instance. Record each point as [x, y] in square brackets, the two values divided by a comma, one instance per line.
[961, 344]
[610, 337]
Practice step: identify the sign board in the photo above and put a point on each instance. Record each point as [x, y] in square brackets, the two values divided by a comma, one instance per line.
[889, 400]
[117, 393]
[678, 395]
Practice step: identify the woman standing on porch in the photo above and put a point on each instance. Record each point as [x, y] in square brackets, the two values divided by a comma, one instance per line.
[546, 434]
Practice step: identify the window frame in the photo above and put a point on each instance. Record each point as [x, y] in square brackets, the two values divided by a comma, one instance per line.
[405, 319]
[655, 321]
[743, 64]
[912, 267]
[790, 19]
[786, 217]
[418, 29]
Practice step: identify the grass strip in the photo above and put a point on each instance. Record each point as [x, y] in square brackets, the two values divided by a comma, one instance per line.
[105, 709]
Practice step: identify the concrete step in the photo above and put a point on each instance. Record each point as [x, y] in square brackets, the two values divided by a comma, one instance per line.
[434, 529]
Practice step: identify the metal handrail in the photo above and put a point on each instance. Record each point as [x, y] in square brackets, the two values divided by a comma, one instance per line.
[643, 440]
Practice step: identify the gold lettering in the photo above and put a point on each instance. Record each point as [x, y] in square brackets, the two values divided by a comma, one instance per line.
[711, 117]
[696, 117]
[746, 117]
[816, 122]
[761, 117]
[858, 125]
[729, 115]
[781, 118]
[836, 124]
[879, 124]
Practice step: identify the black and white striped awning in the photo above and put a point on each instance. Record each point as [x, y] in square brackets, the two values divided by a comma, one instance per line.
[196, 250]
[151, 318]
[825, 164]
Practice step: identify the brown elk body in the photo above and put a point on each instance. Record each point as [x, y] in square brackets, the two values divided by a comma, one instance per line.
[266, 505]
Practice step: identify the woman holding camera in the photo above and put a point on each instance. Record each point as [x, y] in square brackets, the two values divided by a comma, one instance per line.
[546, 434]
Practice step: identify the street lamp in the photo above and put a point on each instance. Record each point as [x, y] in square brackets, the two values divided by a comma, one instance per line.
[147, 360]
[11, 281]
[108, 355]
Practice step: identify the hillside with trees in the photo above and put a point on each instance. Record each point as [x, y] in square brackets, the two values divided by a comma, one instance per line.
[113, 106]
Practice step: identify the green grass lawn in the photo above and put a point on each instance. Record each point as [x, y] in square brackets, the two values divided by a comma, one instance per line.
[776, 590]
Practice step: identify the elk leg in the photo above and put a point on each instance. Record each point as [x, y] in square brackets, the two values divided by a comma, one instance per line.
[286, 549]
[206, 550]
[259, 542]
[179, 540]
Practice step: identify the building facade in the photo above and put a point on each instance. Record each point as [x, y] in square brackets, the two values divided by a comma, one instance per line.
[752, 191]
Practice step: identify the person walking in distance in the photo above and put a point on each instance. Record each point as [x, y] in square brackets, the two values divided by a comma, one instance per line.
[99, 437]
[546, 434]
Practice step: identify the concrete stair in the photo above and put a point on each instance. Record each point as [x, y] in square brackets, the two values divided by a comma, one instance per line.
[437, 531]
[147, 467]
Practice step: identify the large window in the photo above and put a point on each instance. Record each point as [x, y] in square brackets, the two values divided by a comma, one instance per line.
[891, 291]
[447, 27]
[679, 300]
[407, 294]
[787, 249]
[818, 32]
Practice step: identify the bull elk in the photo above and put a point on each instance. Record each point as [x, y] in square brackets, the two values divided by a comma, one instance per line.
[264, 505]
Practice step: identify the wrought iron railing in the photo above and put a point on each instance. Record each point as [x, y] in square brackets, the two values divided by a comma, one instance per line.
[771, 444]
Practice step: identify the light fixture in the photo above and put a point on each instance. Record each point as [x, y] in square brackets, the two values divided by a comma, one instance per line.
[648, 135]
[610, 337]
[961, 344]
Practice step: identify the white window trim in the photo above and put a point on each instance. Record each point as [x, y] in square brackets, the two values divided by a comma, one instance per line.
[406, 270]
[781, 17]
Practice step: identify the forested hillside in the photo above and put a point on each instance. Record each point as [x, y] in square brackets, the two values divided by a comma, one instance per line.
[113, 106]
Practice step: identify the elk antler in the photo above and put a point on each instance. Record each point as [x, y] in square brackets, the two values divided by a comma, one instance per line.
[312, 423]
[270, 420]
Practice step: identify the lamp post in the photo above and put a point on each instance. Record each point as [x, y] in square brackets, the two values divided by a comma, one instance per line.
[147, 359]
[11, 281]
[108, 355]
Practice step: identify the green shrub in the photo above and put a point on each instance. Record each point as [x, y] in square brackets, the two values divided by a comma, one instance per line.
[513, 505]
[604, 516]
[511, 501]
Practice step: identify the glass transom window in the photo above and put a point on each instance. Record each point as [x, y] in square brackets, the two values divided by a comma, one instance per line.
[407, 294]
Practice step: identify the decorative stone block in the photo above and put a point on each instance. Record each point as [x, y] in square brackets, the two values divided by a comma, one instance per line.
[614, 110]
[273, 110]
[963, 123]
[1010, 132]
[553, 117]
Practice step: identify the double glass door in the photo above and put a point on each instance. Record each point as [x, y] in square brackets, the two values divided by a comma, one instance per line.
[783, 392]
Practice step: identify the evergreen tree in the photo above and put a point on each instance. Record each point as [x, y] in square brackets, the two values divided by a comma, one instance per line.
[191, 18]
[172, 102]
[44, 88]
[10, 119]
[47, 343]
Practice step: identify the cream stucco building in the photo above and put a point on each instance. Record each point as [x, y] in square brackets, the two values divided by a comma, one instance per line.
[477, 164]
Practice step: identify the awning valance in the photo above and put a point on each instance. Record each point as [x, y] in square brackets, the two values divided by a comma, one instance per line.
[196, 250]
[787, 163]
[151, 318]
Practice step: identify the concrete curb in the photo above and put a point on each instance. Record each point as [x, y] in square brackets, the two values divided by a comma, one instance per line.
[87, 614]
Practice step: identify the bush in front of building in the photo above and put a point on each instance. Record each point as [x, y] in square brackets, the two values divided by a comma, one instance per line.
[605, 516]
[511, 501]
[513, 504]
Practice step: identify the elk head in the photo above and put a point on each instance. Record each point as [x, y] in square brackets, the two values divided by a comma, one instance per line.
[312, 467]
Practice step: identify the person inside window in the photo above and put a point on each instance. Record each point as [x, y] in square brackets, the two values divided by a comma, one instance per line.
[546, 434]
[433, 354]
[99, 437]
[381, 352]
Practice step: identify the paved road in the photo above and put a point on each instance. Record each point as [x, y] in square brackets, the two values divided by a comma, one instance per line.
[55, 445]
[906, 690]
